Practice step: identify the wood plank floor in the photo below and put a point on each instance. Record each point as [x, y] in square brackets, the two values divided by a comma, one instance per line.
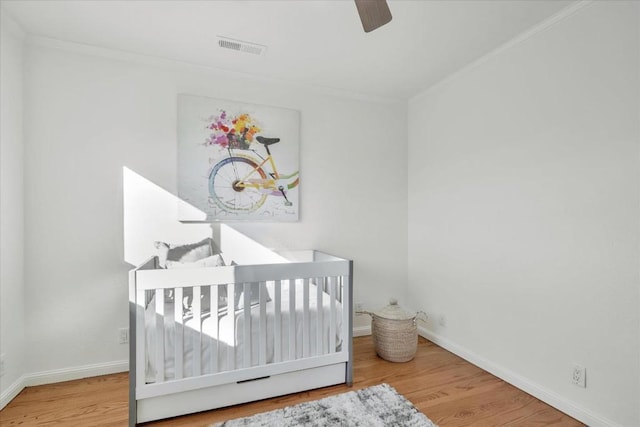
[449, 390]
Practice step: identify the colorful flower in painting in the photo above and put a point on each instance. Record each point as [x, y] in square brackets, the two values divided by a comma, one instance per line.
[237, 132]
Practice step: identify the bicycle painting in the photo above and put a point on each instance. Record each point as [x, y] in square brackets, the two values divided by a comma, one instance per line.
[251, 152]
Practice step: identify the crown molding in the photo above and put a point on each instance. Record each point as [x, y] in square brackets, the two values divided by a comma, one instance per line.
[177, 65]
[535, 30]
[11, 25]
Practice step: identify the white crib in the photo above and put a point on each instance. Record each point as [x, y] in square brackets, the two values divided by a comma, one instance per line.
[291, 331]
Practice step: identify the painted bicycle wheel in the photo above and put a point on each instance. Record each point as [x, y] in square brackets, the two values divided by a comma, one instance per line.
[224, 188]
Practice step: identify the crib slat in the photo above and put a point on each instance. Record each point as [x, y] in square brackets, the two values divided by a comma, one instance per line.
[306, 330]
[197, 334]
[159, 328]
[345, 299]
[231, 347]
[320, 317]
[332, 320]
[277, 344]
[178, 319]
[247, 324]
[292, 319]
[213, 340]
[263, 323]
[141, 328]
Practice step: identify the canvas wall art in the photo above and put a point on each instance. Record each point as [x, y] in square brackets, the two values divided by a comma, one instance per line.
[237, 161]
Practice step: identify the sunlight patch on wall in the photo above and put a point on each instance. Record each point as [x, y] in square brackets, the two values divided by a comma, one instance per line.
[244, 250]
[151, 214]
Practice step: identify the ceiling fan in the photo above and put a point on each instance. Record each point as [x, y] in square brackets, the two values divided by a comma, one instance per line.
[373, 13]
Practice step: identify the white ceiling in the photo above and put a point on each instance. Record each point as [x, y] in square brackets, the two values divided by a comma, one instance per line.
[309, 42]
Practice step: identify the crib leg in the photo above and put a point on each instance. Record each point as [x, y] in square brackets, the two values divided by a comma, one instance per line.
[349, 373]
[133, 410]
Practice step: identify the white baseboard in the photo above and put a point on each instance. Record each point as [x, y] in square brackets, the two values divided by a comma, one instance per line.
[60, 375]
[360, 331]
[562, 404]
[11, 392]
[75, 373]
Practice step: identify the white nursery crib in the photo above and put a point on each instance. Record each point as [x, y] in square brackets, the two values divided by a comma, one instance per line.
[268, 326]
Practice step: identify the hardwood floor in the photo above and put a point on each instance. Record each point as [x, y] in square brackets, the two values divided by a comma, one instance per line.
[449, 390]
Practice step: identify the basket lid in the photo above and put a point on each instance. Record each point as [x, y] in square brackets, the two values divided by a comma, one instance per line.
[394, 312]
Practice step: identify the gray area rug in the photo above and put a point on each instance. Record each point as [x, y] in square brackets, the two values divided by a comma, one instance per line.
[379, 405]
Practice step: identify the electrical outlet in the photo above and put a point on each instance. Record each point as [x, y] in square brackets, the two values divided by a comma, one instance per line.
[3, 366]
[579, 376]
[124, 335]
[442, 320]
[359, 308]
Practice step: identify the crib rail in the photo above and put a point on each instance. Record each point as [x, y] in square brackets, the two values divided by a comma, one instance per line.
[292, 334]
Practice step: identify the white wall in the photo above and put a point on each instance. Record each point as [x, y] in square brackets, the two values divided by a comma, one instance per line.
[11, 208]
[524, 213]
[88, 116]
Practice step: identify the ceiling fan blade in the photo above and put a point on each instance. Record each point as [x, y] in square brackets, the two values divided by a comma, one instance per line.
[373, 13]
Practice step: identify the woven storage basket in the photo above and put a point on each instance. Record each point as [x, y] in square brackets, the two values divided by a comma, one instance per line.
[395, 333]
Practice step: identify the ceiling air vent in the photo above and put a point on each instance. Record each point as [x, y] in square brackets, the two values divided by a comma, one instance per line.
[239, 45]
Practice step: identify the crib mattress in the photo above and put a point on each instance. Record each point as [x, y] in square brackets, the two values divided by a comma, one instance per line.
[222, 349]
